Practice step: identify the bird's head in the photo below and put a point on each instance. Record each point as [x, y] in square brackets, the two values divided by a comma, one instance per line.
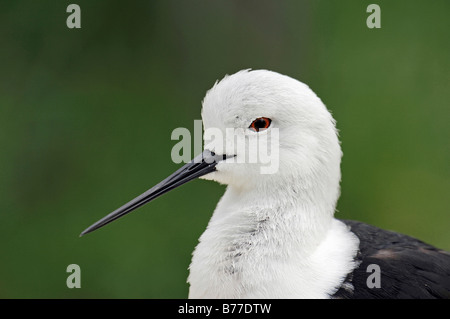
[274, 130]
[263, 131]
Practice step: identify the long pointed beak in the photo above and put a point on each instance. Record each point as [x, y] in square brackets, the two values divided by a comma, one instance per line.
[201, 165]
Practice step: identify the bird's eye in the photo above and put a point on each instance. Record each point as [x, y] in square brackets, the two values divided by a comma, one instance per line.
[260, 124]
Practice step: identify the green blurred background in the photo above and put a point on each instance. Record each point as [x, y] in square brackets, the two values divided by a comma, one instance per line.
[86, 116]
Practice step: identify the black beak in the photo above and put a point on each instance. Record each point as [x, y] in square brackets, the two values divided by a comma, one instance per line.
[201, 165]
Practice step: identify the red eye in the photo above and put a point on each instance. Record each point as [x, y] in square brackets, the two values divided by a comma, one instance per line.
[260, 124]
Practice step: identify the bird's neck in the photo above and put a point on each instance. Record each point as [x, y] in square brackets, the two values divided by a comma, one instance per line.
[296, 216]
[256, 240]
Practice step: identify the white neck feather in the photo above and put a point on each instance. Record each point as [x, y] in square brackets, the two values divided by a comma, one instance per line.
[278, 245]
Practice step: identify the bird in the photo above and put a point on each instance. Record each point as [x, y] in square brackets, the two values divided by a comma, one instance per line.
[274, 233]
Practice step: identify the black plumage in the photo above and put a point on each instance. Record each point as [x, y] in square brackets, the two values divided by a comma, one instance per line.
[409, 268]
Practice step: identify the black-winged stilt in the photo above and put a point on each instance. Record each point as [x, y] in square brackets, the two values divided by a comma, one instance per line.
[274, 235]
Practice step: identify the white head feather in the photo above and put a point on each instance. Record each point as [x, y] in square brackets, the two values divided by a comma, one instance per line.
[309, 150]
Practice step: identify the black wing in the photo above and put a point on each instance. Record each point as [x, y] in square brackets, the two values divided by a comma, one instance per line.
[409, 268]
